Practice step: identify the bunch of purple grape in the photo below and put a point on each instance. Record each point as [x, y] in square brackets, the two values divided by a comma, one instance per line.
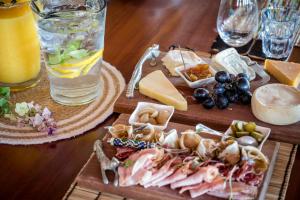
[228, 89]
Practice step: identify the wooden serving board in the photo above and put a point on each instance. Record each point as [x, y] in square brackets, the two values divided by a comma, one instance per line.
[90, 176]
[218, 119]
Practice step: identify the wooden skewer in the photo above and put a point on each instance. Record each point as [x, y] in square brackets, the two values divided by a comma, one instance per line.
[184, 71]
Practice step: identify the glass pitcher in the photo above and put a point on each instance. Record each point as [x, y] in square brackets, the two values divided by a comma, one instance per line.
[19, 46]
[72, 41]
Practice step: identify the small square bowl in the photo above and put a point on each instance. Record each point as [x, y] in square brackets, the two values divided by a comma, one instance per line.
[199, 83]
[141, 105]
[264, 130]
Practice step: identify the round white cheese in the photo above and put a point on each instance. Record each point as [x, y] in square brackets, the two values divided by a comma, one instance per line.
[276, 104]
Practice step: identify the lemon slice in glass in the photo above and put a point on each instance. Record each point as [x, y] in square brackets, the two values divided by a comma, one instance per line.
[72, 74]
[74, 67]
[83, 61]
[87, 68]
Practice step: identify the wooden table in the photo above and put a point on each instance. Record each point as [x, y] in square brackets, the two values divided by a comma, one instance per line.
[46, 171]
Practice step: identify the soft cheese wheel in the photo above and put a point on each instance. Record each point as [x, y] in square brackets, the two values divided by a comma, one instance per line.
[276, 104]
[157, 86]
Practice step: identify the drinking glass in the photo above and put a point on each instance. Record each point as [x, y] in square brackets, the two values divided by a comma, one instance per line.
[237, 21]
[19, 46]
[279, 27]
[72, 41]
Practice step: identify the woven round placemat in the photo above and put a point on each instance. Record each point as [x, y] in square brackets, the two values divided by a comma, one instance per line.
[71, 120]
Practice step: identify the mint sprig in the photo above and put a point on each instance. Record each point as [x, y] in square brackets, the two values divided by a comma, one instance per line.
[73, 50]
[5, 107]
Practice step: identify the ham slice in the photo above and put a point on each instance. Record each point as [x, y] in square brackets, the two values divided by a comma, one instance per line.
[151, 167]
[216, 184]
[124, 152]
[248, 175]
[134, 179]
[138, 171]
[239, 191]
[204, 187]
[179, 174]
[165, 175]
[204, 173]
[164, 171]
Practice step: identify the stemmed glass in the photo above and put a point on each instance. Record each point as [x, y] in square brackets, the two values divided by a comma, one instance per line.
[237, 21]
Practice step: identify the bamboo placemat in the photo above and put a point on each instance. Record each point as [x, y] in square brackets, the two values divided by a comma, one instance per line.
[71, 120]
[277, 187]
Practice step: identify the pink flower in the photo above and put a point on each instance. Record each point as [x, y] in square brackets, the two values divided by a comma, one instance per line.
[46, 113]
[38, 120]
[32, 114]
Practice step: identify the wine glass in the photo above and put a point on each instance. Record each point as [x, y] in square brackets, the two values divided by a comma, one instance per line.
[237, 21]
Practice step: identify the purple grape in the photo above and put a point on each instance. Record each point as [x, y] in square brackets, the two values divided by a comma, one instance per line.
[222, 77]
[201, 94]
[208, 103]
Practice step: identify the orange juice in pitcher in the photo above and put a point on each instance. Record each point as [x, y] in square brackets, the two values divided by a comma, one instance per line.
[19, 46]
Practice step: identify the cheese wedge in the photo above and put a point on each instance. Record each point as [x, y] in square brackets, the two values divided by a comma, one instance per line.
[285, 72]
[276, 104]
[157, 86]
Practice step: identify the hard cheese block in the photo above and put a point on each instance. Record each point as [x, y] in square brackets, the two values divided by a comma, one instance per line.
[157, 86]
[285, 72]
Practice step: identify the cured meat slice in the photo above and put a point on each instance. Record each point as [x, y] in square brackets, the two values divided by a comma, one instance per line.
[216, 184]
[239, 191]
[124, 152]
[138, 165]
[204, 173]
[162, 172]
[179, 174]
[203, 186]
[165, 175]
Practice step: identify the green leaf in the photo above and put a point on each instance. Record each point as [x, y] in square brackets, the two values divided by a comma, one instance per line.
[4, 106]
[65, 56]
[3, 102]
[5, 92]
[78, 54]
[128, 163]
[73, 45]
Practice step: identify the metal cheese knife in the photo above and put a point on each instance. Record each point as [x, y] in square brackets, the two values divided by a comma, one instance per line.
[106, 163]
[137, 73]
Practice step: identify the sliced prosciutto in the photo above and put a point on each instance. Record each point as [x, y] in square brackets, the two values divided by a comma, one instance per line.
[246, 173]
[202, 188]
[154, 167]
[216, 184]
[124, 152]
[204, 173]
[179, 174]
[138, 165]
[239, 191]
[166, 170]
